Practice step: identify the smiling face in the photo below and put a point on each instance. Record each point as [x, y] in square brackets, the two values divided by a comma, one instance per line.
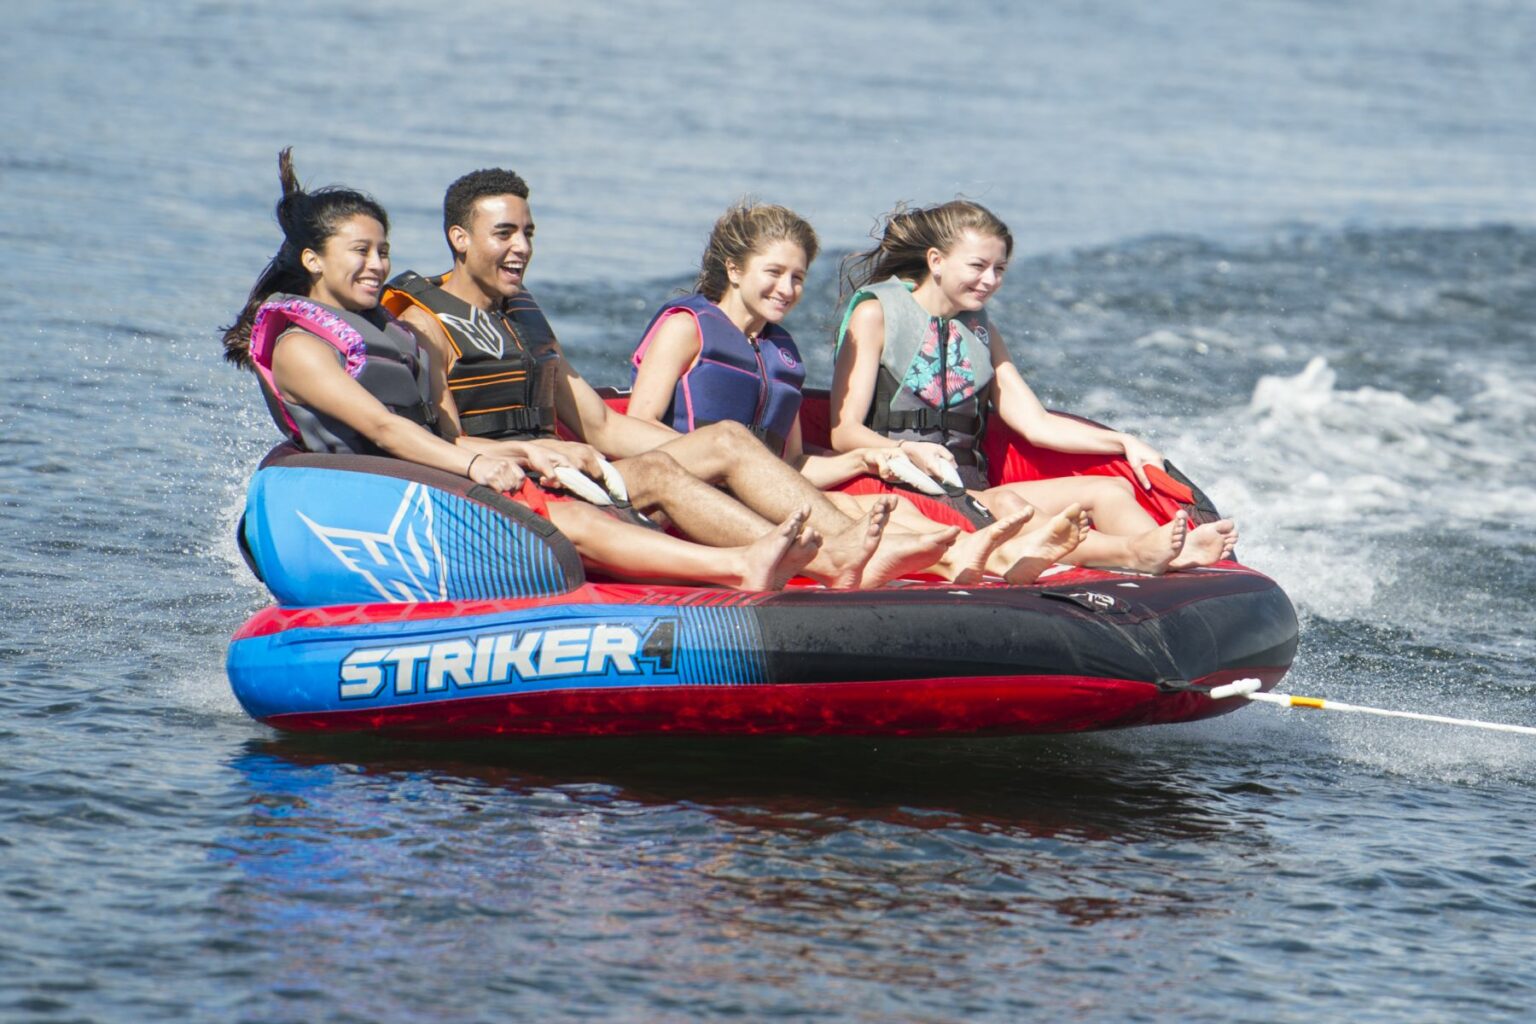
[770, 284]
[352, 265]
[494, 250]
[968, 274]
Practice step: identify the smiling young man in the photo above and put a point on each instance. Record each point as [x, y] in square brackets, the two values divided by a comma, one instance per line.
[508, 380]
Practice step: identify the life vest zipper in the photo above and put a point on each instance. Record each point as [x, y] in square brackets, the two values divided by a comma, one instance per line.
[941, 334]
[762, 383]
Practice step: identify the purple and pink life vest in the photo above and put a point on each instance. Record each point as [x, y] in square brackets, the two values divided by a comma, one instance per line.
[755, 382]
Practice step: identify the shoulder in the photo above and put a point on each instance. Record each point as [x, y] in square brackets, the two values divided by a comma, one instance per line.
[424, 325]
[866, 316]
[305, 339]
[677, 326]
[299, 348]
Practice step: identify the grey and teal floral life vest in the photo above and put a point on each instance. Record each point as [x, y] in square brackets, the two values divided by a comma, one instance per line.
[928, 391]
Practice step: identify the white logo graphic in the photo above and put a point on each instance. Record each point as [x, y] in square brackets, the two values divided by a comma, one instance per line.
[480, 329]
[403, 563]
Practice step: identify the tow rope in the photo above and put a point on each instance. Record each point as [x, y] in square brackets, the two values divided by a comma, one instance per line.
[1249, 688]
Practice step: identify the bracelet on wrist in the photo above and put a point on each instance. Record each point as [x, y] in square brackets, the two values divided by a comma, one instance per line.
[471, 465]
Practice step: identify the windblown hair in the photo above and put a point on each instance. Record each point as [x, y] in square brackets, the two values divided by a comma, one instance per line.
[459, 201]
[308, 219]
[742, 232]
[907, 235]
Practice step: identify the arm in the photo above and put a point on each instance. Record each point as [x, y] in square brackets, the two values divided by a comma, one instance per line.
[434, 339]
[541, 456]
[305, 370]
[583, 411]
[1016, 403]
[673, 350]
[826, 470]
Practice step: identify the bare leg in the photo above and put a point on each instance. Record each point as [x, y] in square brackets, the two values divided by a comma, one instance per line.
[1124, 534]
[706, 514]
[1002, 501]
[1039, 549]
[633, 552]
[1109, 501]
[710, 516]
[1206, 544]
[729, 455]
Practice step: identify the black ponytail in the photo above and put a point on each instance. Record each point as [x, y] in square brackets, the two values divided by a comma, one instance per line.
[308, 219]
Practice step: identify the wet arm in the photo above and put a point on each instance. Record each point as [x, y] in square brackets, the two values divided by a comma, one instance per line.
[826, 470]
[854, 377]
[673, 350]
[583, 411]
[1018, 406]
[305, 370]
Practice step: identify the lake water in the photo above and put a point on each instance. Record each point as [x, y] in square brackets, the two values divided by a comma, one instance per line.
[1292, 243]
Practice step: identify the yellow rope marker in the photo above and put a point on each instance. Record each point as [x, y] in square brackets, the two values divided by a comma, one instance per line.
[1249, 688]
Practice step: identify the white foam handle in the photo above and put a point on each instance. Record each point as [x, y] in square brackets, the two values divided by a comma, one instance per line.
[582, 486]
[614, 481]
[948, 474]
[907, 472]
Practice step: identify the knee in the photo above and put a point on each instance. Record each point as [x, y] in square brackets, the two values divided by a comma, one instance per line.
[576, 520]
[1115, 488]
[1002, 502]
[730, 436]
[1105, 492]
[649, 476]
[652, 465]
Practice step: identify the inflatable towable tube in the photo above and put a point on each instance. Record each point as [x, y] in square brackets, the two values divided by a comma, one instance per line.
[359, 529]
[415, 603]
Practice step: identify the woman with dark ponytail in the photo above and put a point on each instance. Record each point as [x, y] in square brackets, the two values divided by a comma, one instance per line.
[920, 368]
[340, 374]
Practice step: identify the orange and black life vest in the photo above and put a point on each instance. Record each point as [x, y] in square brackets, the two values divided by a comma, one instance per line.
[505, 360]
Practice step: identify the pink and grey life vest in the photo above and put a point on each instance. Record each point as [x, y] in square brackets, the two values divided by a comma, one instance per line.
[755, 382]
[505, 361]
[927, 391]
[374, 348]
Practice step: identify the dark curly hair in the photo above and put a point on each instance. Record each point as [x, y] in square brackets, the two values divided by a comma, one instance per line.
[459, 201]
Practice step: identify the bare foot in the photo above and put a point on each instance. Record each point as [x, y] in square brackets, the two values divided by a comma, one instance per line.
[1154, 551]
[971, 553]
[903, 553]
[776, 556]
[1207, 544]
[1040, 549]
[840, 562]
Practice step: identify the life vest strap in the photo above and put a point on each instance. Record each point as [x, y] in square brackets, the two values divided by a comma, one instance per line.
[930, 419]
[505, 422]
